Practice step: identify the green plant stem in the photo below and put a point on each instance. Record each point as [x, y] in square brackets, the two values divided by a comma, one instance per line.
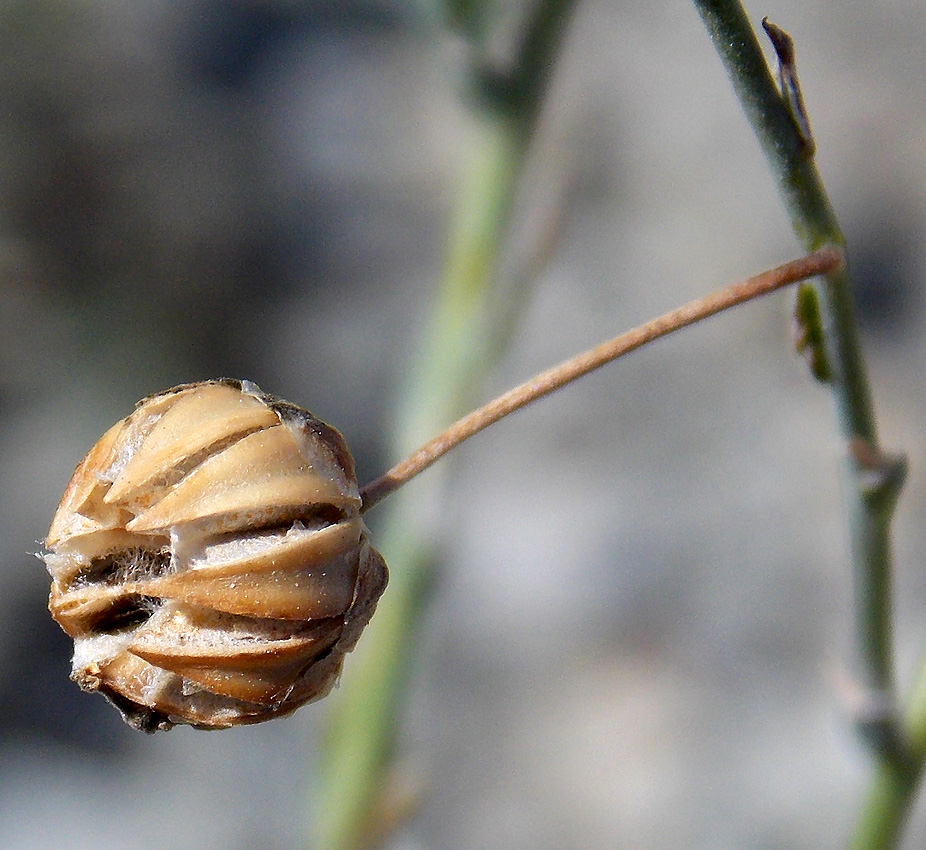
[894, 785]
[456, 349]
[364, 714]
[873, 480]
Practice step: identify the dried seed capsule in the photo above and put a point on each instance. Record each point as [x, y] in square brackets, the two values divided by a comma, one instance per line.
[209, 559]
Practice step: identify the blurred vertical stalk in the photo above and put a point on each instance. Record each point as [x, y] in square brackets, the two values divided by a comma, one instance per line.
[349, 810]
[873, 478]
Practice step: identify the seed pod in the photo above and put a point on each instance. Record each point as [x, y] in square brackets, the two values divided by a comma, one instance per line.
[210, 561]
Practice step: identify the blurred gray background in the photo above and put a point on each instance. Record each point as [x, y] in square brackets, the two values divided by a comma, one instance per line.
[642, 618]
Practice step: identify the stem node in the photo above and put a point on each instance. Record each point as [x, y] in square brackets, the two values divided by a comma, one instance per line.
[880, 475]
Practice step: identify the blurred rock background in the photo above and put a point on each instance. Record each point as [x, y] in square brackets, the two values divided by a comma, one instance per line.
[643, 611]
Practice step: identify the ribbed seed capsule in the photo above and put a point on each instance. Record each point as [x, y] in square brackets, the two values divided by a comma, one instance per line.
[210, 561]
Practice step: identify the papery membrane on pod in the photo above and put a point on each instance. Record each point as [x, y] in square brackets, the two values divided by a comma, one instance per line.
[209, 559]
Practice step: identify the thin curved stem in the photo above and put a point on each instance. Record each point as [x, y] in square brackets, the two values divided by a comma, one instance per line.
[823, 261]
